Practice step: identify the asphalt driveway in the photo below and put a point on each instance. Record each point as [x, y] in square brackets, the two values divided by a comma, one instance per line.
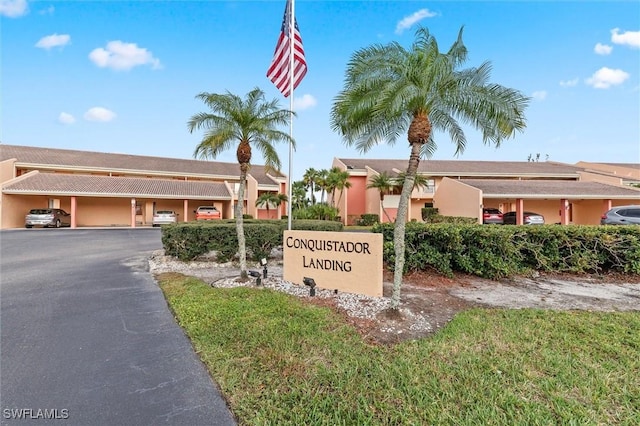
[87, 338]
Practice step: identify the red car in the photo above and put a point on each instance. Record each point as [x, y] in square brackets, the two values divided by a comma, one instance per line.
[207, 213]
[492, 216]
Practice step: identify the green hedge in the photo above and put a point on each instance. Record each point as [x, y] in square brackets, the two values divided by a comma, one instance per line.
[187, 241]
[502, 251]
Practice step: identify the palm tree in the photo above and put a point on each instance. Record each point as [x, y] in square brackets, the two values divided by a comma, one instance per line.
[310, 177]
[299, 194]
[252, 121]
[419, 181]
[321, 183]
[270, 198]
[337, 180]
[390, 90]
[384, 184]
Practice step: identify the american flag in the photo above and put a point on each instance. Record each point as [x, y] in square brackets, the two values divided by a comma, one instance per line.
[279, 70]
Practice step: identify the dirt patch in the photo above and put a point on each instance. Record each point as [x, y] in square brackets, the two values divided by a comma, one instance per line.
[438, 298]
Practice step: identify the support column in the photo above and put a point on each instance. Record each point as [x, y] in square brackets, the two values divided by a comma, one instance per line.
[564, 212]
[519, 211]
[606, 206]
[185, 210]
[74, 205]
[133, 212]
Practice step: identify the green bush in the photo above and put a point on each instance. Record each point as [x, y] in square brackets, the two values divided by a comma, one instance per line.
[428, 212]
[502, 251]
[187, 241]
[368, 219]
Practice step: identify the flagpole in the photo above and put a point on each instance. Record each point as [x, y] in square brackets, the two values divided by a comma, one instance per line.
[291, 68]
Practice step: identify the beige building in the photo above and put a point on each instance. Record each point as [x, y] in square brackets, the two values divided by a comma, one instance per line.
[103, 189]
[562, 193]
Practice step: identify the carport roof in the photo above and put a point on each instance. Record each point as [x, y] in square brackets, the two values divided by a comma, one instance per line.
[551, 189]
[36, 183]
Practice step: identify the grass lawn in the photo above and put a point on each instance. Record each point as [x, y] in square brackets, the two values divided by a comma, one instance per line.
[280, 361]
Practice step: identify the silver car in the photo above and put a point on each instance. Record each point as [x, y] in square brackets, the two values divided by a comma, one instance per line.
[528, 218]
[164, 217]
[621, 215]
[47, 217]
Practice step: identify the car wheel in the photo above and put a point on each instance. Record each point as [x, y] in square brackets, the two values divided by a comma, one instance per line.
[58, 223]
[28, 226]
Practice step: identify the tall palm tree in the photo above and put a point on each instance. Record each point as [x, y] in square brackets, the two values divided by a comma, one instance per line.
[384, 184]
[270, 198]
[252, 121]
[337, 180]
[310, 177]
[390, 91]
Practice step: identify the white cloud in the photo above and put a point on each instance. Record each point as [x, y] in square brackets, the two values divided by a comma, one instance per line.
[304, 102]
[66, 118]
[539, 95]
[99, 114]
[48, 11]
[629, 38]
[53, 40]
[408, 21]
[602, 49]
[13, 8]
[606, 77]
[123, 56]
[569, 83]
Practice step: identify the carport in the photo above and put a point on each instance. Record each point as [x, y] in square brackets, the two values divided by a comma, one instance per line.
[109, 201]
[559, 201]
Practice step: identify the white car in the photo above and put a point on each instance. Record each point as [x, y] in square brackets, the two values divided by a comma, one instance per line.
[164, 217]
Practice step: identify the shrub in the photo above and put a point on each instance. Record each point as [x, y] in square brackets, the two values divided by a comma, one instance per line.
[368, 219]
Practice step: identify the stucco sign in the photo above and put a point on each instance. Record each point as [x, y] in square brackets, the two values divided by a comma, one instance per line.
[343, 261]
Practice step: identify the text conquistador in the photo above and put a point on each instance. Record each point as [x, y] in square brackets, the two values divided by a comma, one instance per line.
[328, 245]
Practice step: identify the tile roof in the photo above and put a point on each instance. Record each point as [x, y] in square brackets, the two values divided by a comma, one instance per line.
[64, 158]
[470, 168]
[84, 185]
[550, 189]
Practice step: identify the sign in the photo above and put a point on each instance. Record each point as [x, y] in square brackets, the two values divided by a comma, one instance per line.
[344, 261]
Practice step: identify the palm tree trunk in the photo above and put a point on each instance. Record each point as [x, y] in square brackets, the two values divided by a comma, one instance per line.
[401, 220]
[242, 250]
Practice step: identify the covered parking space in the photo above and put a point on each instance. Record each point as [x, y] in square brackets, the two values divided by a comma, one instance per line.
[559, 201]
[109, 201]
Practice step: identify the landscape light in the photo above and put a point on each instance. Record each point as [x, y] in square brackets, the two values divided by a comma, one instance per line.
[263, 262]
[256, 275]
[311, 283]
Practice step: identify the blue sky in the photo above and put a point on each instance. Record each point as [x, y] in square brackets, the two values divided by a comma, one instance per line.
[121, 76]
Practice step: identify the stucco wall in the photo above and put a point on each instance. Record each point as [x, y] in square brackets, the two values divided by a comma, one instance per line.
[15, 207]
[453, 198]
[355, 198]
[7, 170]
[103, 211]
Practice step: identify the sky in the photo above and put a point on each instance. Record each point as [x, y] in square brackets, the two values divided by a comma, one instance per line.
[122, 76]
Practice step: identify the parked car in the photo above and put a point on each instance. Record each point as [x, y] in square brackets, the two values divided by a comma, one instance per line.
[164, 217]
[207, 213]
[621, 215]
[528, 218]
[491, 216]
[47, 217]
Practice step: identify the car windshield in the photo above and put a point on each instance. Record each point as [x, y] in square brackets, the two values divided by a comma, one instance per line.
[164, 212]
[207, 208]
[40, 211]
